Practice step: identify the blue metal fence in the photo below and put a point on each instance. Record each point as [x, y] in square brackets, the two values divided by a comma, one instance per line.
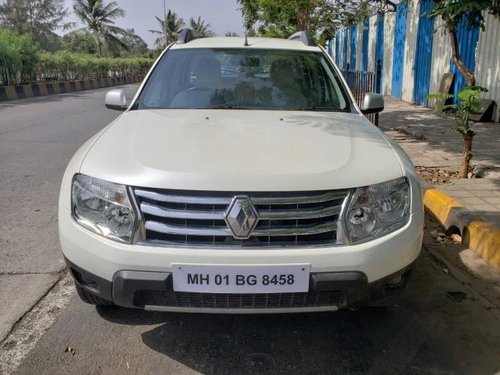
[399, 49]
[337, 48]
[423, 54]
[354, 46]
[366, 36]
[344, 65]
[347, 53]
[379, 48]
[467, 43]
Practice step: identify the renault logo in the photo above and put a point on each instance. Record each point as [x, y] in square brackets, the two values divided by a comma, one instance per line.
[241, 217]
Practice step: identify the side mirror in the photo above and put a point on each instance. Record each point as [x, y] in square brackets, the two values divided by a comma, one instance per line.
[372, 103]
[116, 99]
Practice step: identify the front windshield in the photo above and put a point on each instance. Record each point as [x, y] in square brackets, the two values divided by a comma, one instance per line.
[244, 79]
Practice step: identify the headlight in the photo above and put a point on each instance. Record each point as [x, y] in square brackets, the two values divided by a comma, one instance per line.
[377, 210]
[103, 207]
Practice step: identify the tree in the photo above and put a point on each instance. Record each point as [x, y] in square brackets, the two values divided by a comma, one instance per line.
[80, 41]
[136, 46]
[169, 28]
[468, 104]
[18, 58]
[201, 28]
[281, 18]
[472, 12]
[39, 18]
[231, 34]
[98, 17]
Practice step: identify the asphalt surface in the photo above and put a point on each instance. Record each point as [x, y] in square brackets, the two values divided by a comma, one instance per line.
[37, 139]
[442, 325]
[439, 327]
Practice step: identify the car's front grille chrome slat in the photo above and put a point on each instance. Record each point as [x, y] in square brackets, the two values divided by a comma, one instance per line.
[299, 199]
[187, 231]
[150, 209]
[181, 198]
[199, 218]
[223, 231]
[299, 214]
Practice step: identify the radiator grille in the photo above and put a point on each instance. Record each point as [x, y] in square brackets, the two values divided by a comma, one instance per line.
[198, 218]
[237, 301]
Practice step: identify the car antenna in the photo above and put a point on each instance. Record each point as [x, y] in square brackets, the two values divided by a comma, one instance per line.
[246, 39]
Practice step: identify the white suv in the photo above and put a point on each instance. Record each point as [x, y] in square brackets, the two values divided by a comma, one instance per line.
[241, 178]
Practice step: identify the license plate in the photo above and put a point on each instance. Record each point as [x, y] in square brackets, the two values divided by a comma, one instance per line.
[289, 278]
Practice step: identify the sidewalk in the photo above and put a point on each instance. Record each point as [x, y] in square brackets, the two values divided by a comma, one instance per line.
[432, 142]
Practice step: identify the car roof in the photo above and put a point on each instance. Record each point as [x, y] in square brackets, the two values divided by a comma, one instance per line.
[253, 43]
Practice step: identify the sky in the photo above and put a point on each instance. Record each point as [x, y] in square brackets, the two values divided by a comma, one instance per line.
[222, 15]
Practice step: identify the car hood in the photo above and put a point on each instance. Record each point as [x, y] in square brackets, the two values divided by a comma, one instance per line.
[236, 150]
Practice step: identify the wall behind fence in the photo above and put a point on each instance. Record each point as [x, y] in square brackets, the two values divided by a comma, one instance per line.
[389, 30]
[487, 65]
[409, 72]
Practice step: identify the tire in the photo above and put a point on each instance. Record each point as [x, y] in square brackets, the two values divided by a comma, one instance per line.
[90, 298]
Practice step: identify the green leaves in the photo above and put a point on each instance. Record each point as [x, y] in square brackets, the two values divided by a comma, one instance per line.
[99, 19]
[170, 26]
[39, 18]
[21, 62]
[467, 104]
[74, 66]
[201, 28]
[18, 57]
[320, 17]
[452, 11]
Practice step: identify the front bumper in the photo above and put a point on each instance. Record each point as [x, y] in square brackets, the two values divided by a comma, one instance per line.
[328, 291]
[356, 274]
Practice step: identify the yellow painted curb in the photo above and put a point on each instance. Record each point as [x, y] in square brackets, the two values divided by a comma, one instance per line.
[43, 89]
[11, 93]
[478, 236]
[439, 204]
[28, 91]
[484, 240]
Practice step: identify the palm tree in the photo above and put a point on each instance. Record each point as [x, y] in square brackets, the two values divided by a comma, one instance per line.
[99, 19]
[201, 28]
[169, 28]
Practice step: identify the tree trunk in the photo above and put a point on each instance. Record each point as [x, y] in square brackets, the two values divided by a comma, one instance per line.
[462, 68]
[466, 156]
[97, 43]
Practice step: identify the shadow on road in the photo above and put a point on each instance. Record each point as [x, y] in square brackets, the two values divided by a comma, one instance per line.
[434, 330]
[236, 344]
[424, 333]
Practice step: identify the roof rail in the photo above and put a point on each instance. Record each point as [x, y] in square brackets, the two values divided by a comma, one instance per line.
[304, 37]
[185, 36]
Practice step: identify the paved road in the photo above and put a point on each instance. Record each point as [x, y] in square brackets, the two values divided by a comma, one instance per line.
[439, 328]
[442, 326]
[37, 139]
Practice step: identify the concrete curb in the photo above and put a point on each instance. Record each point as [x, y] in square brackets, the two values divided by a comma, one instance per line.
[479, 236]
[59, 87]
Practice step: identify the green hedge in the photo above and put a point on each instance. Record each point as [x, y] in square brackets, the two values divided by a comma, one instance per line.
[73, 66]
[21, 63]
[18, 58]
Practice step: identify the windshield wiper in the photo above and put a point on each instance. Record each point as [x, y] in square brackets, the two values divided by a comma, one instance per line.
[317, 108]
[221, 106]
[229, 106]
